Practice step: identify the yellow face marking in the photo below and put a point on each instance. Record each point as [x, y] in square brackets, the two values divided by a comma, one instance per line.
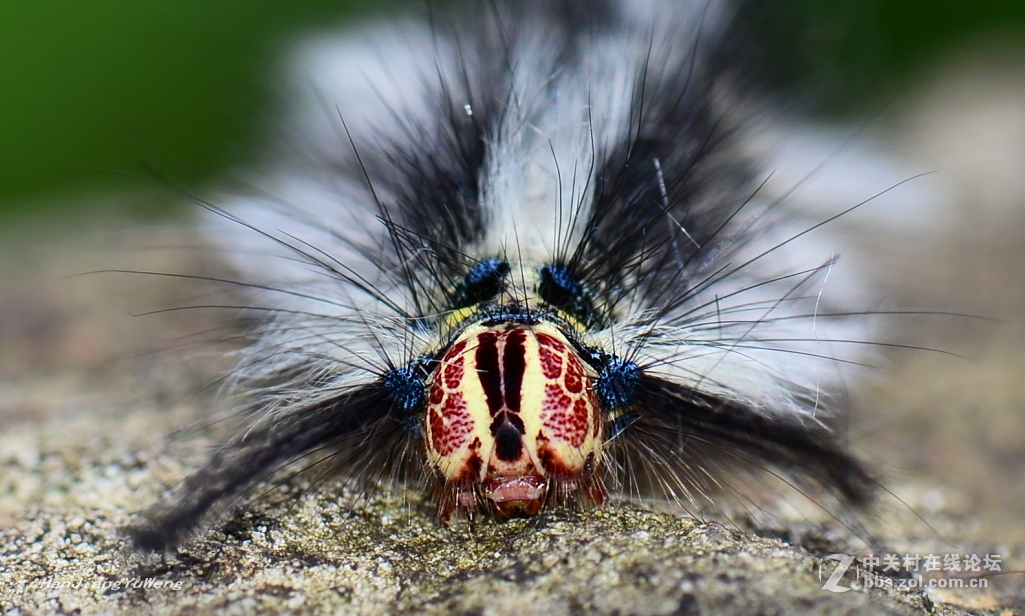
[572, 320]
[453, 319]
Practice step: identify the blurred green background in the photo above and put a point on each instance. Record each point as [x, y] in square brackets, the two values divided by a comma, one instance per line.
[93, 92]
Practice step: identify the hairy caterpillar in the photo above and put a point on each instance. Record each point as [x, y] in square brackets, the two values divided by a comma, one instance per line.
[527, 255]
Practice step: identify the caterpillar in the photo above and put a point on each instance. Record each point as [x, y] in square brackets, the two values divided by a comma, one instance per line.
[531, 255]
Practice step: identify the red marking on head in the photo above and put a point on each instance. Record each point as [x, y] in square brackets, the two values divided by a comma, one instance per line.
[457, 349]
[454, 371]
[450, 425]
[550, 352]
[556, 400]
[578, 419]
[545, 340]
[565, 417]
[574, 380]
[436, 394]
[437, 429]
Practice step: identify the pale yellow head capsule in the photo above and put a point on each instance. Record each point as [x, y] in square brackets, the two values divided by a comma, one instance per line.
[511, 410]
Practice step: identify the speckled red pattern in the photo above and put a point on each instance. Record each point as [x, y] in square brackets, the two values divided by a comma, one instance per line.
[454, 373]
[574, 380]
[551, 356]
[453, 366]
[451, 422]
[567, 406]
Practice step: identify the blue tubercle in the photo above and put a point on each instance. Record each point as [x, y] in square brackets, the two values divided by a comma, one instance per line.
[616, 382]
[483, 283]
[406, 387]
[487, 270]
[563, 279]
[560, 288]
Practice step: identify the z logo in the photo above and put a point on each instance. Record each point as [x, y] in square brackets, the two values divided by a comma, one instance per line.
[844, 562]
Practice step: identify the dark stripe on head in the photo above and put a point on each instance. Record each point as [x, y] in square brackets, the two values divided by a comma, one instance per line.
[487, 370]
[514, 364]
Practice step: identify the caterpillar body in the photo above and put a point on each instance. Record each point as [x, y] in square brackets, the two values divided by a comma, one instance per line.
[529, 254]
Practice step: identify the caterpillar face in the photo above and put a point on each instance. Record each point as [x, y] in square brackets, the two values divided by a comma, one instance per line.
[530, 255]
[511, 407]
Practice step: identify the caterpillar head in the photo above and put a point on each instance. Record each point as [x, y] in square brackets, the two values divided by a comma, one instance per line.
[511, 410]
